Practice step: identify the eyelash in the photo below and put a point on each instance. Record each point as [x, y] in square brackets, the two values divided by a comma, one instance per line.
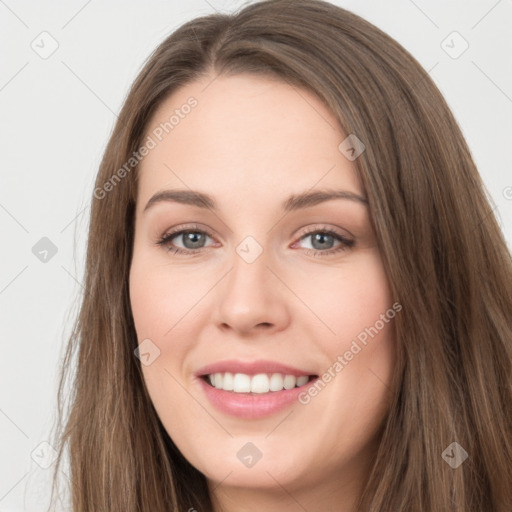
[345, 244]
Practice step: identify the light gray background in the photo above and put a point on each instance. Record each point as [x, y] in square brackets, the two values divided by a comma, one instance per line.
[56, 115]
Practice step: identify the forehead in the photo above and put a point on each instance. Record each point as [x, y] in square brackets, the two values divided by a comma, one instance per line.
[249, 133]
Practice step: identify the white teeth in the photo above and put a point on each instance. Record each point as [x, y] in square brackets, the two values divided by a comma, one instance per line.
[228, 382]
[218, 380]
[276, 382]
[289, 381]
[241, 383]
[302, 380]
[260, 383]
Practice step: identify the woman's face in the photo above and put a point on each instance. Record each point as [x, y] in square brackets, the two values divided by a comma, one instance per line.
[263, 279]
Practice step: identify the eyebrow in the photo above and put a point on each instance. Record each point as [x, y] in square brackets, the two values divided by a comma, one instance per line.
[294, 202]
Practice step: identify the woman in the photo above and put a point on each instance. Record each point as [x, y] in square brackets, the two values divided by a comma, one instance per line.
[224, 365]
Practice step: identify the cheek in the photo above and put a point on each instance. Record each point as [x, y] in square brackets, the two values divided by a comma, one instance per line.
[160, 301]
[161, 298]
[356, 303]
[347, 299]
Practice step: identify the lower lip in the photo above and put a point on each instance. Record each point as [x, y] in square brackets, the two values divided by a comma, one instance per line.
[252, 405]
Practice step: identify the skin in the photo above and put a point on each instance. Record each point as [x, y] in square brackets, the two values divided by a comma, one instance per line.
[251, 142]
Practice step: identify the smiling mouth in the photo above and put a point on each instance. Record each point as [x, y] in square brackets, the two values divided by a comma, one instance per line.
[260, 383]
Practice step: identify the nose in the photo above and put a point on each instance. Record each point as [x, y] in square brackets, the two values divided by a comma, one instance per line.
[251, 298]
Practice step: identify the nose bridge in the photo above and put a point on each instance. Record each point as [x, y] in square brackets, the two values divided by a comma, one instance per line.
[249, 277]
[248, 295]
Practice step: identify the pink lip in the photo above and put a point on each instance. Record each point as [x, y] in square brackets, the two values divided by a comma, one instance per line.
[251, 405]
[251, 368]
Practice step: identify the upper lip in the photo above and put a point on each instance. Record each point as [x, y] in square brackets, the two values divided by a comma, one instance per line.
[251, 368]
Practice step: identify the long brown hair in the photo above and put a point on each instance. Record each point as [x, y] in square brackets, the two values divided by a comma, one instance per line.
[446, 259]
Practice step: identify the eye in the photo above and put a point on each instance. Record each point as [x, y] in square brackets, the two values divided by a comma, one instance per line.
[193, 238]
[322, 240]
